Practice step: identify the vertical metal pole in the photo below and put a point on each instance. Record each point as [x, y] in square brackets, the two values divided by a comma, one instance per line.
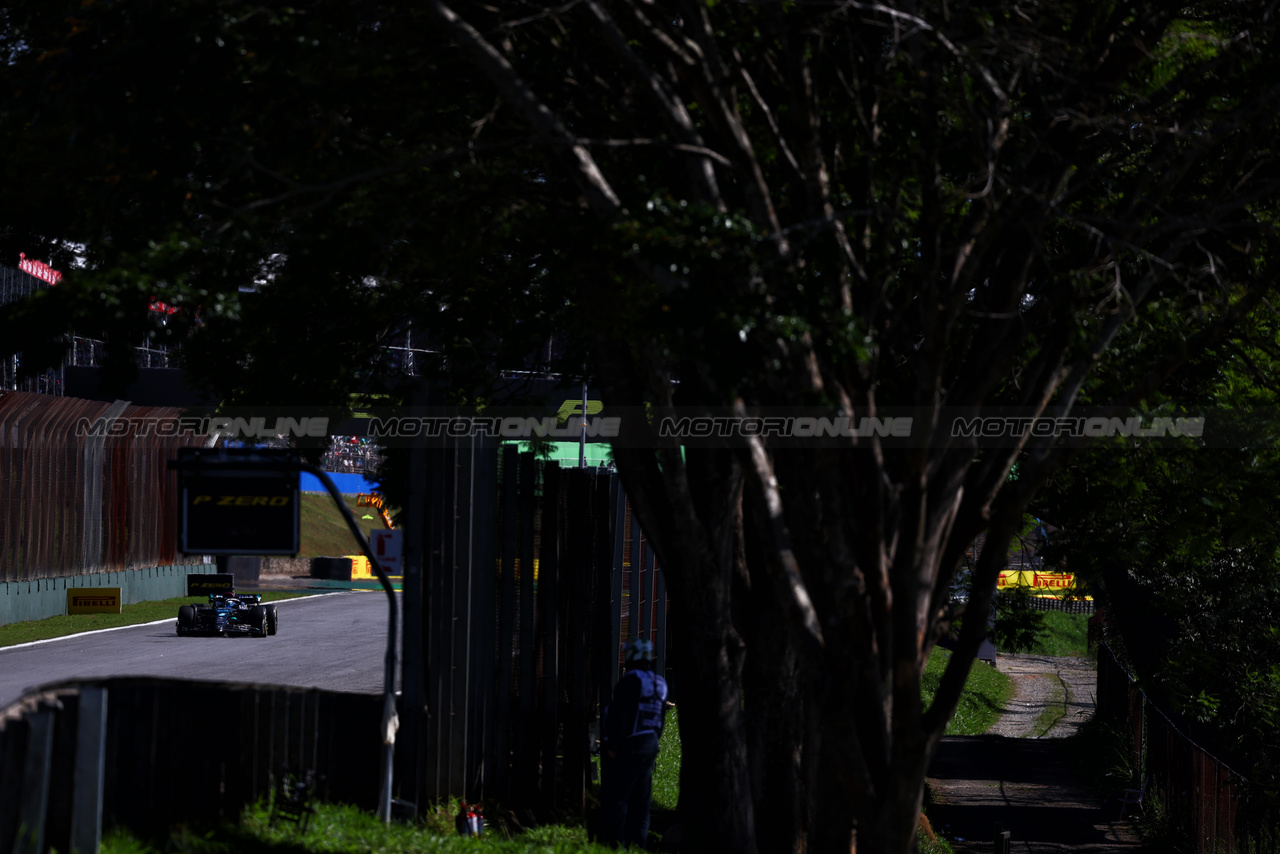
[390, 721]
[1001, 843]
[582, 436]
[91, 763]
[34, 802]
[646, 592]
[660, 619]
[413, 668]
[615, 584]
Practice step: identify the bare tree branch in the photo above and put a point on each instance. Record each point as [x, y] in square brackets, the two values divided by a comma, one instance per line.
[672, 111]
[582, 167]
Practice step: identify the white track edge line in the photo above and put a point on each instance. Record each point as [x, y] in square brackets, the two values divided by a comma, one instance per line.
[4, 649]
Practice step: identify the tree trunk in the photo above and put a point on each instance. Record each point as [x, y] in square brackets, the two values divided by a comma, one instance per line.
[699, 553]
[781, 740]
[715, 792]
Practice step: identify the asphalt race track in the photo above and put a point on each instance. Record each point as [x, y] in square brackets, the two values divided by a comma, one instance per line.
[337, 642]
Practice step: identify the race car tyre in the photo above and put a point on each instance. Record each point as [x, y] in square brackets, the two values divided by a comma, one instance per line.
[259, 622]
[273, 622]
[186, 617]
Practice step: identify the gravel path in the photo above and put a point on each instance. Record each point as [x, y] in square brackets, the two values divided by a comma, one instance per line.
[1064, 686]
[1021, 776]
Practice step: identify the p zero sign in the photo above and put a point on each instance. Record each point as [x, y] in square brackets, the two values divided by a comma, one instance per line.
[238, 502]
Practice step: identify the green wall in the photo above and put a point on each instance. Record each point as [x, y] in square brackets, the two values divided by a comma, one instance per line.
[47, 597]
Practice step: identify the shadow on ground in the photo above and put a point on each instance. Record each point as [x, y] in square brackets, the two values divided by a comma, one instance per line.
[1030, 787]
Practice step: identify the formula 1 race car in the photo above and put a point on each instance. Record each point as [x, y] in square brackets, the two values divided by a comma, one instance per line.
[227, 615]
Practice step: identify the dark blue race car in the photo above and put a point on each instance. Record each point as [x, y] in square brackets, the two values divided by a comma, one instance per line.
[227, 615]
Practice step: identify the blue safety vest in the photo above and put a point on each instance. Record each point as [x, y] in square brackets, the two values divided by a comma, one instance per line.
[653, 697]
[636, 708]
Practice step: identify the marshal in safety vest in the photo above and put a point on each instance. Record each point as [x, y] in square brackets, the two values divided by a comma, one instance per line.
[639, 706]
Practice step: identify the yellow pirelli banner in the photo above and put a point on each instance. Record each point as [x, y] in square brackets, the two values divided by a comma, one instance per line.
[94, 600]
[1041, 583]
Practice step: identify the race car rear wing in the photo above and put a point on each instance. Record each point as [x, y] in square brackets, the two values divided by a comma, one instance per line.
[247, 598]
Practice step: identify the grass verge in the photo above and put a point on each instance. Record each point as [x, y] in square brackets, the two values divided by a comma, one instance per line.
[341, 829]
[323, 530]
[1055, 709]
[666, 771]
[935, 845]
[131, 615]
[985, 696]
[1064, 634]
[347, 830]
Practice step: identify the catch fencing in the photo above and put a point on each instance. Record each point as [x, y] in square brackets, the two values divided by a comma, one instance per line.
[150, 754]
[73, 503]
[536, 577]
[1065, 605]
[1213, 807]
[530, 578]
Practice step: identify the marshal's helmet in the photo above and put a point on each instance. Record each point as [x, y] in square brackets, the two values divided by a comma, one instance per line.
[638, 649]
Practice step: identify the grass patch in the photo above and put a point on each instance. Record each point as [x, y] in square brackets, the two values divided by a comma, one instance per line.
[1103, 750]
[986, 694]
[1065, 634]
[1054, 710]
[340, 829]
[937, 845]
[323, 530]
[666, 771]
[131, 615]
[347, 830]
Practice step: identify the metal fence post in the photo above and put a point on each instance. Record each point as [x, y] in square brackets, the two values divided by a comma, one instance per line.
[34, 804]
[1001, 844]
[91, 746]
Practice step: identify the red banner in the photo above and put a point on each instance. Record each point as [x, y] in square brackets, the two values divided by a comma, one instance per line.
[52, 276]
[39, 270]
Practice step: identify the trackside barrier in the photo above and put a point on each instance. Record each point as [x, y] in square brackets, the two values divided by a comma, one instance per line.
[38, 598]
[78, 758]
[1214, 808]
[331, 568]
[360, 568]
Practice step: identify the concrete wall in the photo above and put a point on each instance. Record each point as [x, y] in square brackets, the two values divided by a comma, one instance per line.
[47, 597]
[287, 566]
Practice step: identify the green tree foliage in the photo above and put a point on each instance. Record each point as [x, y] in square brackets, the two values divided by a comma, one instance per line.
[1182, 544]
[194, 152]
[1018, 624]
[848, 206]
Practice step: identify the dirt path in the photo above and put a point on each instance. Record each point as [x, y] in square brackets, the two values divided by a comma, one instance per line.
[1022, 775]
[1064, 686]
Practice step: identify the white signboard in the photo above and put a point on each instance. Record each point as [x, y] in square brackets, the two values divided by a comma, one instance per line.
[388, 548]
